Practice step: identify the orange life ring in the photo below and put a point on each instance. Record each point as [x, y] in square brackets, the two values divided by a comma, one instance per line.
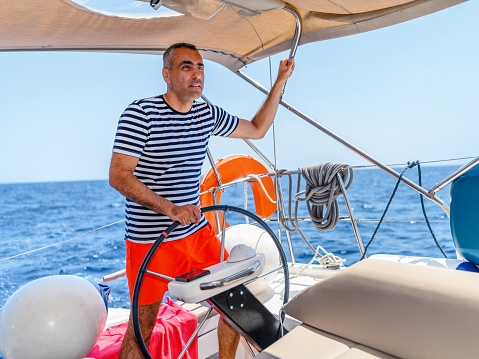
[231, 168]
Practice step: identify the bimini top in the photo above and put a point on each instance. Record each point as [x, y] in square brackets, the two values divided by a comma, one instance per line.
[233, 33]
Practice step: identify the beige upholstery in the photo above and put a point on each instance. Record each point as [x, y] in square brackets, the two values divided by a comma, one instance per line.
[229, 37]
[403, 310]
[305, 342]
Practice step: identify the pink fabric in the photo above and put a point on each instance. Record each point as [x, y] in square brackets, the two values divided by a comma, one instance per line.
[172, 330]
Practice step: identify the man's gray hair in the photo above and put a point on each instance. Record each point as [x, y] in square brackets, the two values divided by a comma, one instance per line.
[169, 53]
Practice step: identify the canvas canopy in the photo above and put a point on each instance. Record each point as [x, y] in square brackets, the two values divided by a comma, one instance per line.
[233, 33]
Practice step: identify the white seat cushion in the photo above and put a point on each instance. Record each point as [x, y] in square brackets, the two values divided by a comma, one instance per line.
[404, 310]
[305, 342]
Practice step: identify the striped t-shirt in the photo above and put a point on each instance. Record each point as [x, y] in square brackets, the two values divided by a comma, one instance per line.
[171, 147]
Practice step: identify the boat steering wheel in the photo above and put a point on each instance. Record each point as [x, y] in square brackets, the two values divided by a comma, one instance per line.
[143, 268]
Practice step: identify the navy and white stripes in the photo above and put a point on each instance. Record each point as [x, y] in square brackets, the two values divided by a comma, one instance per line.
[171, 147]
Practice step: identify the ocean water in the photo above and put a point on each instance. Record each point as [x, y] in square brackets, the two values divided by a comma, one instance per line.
[82, 222]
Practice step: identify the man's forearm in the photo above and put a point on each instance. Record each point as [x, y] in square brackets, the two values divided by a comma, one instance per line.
[131, 187]
[124, 181]
[267, 112]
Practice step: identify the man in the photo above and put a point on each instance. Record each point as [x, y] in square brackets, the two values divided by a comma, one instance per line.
[158, 153]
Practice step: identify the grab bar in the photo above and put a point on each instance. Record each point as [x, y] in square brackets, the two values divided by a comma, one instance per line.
[230, 279]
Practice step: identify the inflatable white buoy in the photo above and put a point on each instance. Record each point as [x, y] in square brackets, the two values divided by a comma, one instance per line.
[258, 239]
[56, 317]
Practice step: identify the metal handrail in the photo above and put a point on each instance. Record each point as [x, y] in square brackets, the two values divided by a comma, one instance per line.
[232, 278]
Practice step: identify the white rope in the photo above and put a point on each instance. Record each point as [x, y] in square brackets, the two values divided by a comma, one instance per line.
[328, 260]
[257, 178]
[252, 176]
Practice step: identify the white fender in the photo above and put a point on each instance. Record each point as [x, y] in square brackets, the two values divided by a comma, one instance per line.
[55, 317]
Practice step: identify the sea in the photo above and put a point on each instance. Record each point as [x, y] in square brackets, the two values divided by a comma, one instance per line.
[77, 228]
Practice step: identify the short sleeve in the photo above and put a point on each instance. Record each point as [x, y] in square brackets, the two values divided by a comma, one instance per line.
[132, 132]
[225, 124]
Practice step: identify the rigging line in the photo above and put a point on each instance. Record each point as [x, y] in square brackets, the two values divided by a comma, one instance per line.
[274, 128]
[275, 161]
[409, 165]
[62, 242]
[252, 26]
[431, 161]
[424, 211]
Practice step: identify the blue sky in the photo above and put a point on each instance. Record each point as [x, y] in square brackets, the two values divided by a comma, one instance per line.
[403, 93]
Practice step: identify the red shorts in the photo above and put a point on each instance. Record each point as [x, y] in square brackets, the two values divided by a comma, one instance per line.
[197, 251]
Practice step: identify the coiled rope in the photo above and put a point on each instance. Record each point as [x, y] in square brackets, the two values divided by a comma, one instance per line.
[322, 191]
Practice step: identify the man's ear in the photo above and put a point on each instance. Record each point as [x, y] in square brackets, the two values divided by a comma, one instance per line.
[166, 75]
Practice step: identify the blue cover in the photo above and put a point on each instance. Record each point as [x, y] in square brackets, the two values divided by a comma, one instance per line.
[465, 214]
[104, 291]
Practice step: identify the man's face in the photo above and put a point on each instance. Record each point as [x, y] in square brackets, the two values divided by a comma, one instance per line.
[186, 76]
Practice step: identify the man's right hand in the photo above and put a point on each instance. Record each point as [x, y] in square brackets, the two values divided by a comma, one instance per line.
[186, 214]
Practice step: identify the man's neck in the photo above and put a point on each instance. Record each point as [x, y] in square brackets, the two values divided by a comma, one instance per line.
[175, 103]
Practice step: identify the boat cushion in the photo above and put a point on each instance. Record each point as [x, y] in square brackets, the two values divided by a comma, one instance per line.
[404, 310]
[305, 342]
[447, 263]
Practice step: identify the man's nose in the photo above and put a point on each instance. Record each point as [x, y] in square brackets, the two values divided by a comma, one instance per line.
[197, 74]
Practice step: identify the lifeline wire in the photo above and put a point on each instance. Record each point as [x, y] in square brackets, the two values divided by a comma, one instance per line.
[62, 242]
[430, 161]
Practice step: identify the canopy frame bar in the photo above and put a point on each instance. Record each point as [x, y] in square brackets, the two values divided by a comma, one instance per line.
[428, 194]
